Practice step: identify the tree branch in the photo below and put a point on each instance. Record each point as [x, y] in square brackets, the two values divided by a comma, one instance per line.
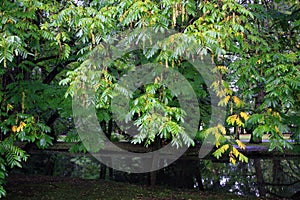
[45, 58]
[56, 70]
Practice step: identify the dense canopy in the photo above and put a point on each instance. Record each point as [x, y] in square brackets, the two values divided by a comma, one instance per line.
[46, 46]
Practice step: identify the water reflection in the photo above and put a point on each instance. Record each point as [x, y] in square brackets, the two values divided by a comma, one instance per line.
[260, 177]
[271, 177]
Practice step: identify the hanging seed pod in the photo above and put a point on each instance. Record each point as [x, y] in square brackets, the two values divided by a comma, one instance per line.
[167, 65]
[176, 10]
[23, 102]
[173, 15]
[233, 18]
[186, 13]
[182, 12]
[93, 39]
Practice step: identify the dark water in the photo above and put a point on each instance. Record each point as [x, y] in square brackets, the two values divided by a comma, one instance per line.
[271, 177]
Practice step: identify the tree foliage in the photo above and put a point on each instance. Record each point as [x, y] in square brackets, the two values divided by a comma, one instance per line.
[46, 46]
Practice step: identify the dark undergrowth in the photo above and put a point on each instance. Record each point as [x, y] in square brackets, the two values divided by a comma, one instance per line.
[49, 187]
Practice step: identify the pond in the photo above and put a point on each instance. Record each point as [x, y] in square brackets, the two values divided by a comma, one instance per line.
[271, 177]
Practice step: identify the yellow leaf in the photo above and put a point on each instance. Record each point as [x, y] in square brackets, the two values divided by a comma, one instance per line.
[14, 129]
[9, 107]
[243, 158]
[276, 128]
[225, 147]
[223, 69]
[93, 38]
[235, 152]
[10, 21]
[231, 119]
[240, 144]
[224, 101]
[217, 137]
[227, 99]
[276, 114]
[217, 144]
[156, 80]
[221, 93]
[19, 129]
[228, 91]
[232, 160]
[244, 115]
[259, 61]
[22, 124]
[222, 129]
[239, 122]
[237, 101]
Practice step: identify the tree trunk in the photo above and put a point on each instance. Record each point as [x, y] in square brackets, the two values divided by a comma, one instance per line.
[103, 168]
[237, 131]
[107, 129]
[199, 179]
[259, 177]
[278, 174]
[50, 123]
[255, 140]
[102, 171]
[153, 175]
[185, 173]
